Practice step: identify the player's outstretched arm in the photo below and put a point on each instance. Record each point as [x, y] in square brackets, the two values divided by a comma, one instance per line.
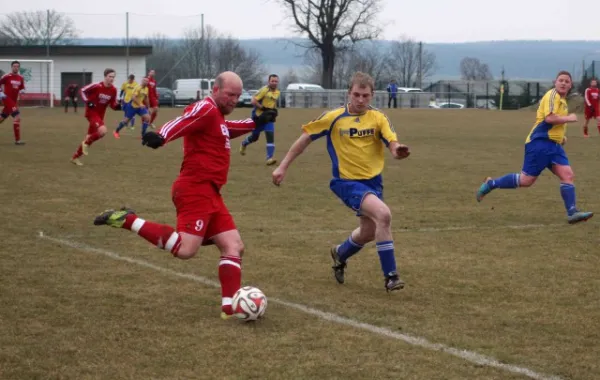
[399, 151]
[295, 150]
[556, 119]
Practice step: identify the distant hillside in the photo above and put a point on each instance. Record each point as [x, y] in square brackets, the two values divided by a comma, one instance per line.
[521, 59]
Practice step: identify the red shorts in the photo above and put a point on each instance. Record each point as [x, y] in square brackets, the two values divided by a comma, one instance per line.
[95, 122]
[589, 114]
[153, 102]
[201, 210]
[10, 108]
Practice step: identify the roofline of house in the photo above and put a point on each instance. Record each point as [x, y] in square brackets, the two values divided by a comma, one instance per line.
[74, 50]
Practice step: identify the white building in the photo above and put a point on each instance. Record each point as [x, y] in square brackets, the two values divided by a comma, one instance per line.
[71, 64]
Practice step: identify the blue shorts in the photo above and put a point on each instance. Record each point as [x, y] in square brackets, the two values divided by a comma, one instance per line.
[542, 154]
[269, 127]
[352, 192]
[130, 111]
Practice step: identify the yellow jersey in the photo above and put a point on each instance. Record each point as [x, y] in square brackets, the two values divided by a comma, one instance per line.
[138, 96]
[552, 102]
[267, 98]
[355, 142]
[127, 88]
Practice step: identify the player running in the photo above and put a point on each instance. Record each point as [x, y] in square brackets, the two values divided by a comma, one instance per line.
[97, 96]
[592, 105]
[265, 99]
[356, 134]
[152, 97]
[137, 106]
[544, 150]
[71, 96]
[202, 217]
[125, 95]
[11, 86]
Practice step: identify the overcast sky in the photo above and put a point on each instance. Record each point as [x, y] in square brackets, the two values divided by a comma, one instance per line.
[426, 20]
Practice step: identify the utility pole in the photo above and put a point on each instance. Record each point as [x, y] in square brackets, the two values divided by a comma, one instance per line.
[420, 76]
[127, 43]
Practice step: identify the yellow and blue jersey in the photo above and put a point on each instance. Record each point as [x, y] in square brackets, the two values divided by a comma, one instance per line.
[551, 103]
[355, 142]
[138, 96]
[267, 98]
[127, 88]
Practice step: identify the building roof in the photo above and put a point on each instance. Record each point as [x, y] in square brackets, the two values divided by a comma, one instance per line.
[74, 50]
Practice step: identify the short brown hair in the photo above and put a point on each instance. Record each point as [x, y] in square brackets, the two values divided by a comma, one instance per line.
[108, 71]
[564, 72]
[362, 80]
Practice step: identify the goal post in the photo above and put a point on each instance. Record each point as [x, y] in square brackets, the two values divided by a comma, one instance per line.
[40, 82]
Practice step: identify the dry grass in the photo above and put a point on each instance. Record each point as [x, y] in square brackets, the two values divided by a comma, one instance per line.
[528, 296]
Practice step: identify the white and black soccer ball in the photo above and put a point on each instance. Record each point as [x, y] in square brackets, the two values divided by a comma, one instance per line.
[249, 303]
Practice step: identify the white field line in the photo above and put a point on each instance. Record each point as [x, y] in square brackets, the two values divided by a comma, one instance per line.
[469, 356]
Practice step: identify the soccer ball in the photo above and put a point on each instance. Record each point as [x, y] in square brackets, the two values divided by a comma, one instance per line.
[249, 303]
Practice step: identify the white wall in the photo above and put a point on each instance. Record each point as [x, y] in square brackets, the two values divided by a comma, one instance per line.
[38, 80]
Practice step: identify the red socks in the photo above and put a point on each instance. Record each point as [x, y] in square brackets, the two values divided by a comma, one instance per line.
[153, 117]
[230, 276]
[93, 137]
[17, 130]
[161, 235]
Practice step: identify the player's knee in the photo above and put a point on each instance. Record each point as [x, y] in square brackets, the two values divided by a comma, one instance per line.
[526, 180]
[383, 217]
[185, 253]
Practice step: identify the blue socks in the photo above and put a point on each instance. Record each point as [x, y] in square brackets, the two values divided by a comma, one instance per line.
[132, 122]
[509, 181]
[385, 249]
[348, 249]
[144, 127]
[121, 125]
[567, 192]
[270, 150]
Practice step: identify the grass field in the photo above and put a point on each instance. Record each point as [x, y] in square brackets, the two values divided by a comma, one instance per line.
[507, 278]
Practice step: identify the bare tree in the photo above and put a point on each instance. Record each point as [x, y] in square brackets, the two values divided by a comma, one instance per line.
[330, 22]
[368, 58]
[407, 60]
[231, 56]
[37, 28]
[473, 69]
[290, 76]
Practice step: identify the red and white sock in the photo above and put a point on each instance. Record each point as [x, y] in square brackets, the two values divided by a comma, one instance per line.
[153, 117]
[161, 235]
[17, 130]
[230, 276]
[78, 153]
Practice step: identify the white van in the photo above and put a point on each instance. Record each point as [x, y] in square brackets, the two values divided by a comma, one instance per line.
[304, 87]
[187, 90]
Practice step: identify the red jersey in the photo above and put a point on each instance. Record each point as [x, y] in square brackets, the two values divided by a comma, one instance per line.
[592, 96]
[101, 96]
[206, 146]
[71, 90]
[12, 85]
[152, 94]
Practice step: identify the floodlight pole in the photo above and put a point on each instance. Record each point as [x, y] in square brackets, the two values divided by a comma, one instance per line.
[127, 44]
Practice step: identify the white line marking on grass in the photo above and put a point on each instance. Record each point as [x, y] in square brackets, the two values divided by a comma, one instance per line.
[469, 356]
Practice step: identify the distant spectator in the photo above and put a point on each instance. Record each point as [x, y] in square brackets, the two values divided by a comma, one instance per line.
[392, 90]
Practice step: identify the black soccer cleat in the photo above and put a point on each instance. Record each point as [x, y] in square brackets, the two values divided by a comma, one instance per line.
[338, 266]
[393, 282]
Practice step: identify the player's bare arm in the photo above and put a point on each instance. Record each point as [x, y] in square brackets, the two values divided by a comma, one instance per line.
[255, 103]
[295, 150]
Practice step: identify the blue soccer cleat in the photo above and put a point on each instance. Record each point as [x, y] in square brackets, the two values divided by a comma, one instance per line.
[580, 216]
[484, 189]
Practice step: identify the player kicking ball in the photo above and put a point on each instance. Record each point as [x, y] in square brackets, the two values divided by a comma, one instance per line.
[97, 97]
[356, 135]
[544, 150]
[202, 217]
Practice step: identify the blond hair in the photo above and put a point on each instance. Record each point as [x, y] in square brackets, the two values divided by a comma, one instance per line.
[362, 80]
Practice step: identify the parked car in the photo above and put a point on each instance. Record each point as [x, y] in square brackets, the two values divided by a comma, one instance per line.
[165, 96]
[245, 100]
[187, 90]
[447, 105]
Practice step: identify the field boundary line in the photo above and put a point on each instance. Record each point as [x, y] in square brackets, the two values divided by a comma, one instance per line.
[467, 355]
